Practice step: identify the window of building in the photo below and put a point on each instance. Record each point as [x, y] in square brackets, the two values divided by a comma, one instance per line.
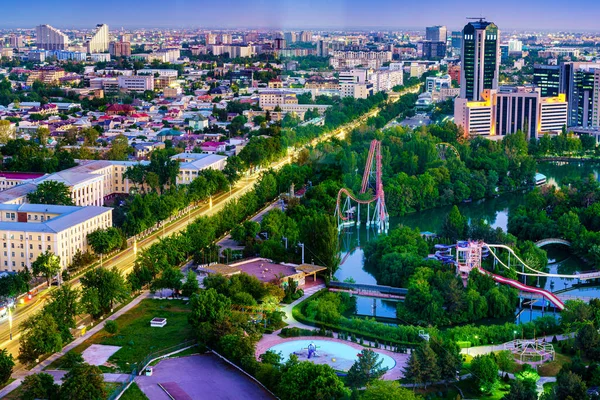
[39, 246]
[49, 247]
[48, 238]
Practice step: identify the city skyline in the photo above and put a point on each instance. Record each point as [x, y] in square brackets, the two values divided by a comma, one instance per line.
[336, 14]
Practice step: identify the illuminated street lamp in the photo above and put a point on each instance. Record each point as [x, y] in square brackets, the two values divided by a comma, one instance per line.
[10, 321]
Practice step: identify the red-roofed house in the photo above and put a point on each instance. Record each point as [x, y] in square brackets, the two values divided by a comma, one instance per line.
[213, 147]
[120, 109]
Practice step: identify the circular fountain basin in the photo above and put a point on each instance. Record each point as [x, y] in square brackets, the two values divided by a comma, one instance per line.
[339, 356]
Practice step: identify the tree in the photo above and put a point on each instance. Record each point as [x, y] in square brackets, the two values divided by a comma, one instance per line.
[455, 225]
[6, 366]
[190, 286]
[42, 135]
[423, 365]
[449, 359]
[366, 369]
[64, 307]
[83, 381]
[485, 371]
[209, 306]
[6, 131]
[39, 386]
[119, 149]
[101, 288]
[505, 360]
[40, 335]
[306, 380]
[521, 390]
[587, 338]
[51, 192]
[47, 264]
[104, 241]
[387, 390]
[170, 279]
[570, 386]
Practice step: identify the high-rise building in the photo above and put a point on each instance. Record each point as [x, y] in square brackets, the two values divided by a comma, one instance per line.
[211, 38]
[515, 46]
[279, 43]
[578, 80]
[437, 33]
[433, 50]
[119, 49]
[547, 78]
[225, 38]
[480, 59]
[290, 37]
[99, 41]
[49, 38]
[306, 36]
[456, 40]
[322, 49]
[15, 41]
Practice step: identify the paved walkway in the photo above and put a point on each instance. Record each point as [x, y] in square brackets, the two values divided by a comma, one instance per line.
[268, 341]
[58, 376]
[19, 376]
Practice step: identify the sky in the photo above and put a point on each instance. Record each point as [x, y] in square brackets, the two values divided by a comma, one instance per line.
[574, 15]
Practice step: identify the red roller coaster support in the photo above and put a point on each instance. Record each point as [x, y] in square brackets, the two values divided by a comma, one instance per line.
[371, 179]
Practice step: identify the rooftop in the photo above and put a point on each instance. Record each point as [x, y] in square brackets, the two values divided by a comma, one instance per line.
[68, 216]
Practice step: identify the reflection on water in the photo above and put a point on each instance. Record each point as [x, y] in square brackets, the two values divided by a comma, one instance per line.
[374, 307]
[495, 212]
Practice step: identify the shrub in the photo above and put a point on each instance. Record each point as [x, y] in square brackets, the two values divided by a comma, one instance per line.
[111, 327]
[71, 359]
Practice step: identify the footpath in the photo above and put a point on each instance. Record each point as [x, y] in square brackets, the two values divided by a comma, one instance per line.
[19, 376]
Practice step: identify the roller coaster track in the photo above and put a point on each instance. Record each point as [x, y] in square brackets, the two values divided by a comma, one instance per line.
[371, 180]
[535, 272]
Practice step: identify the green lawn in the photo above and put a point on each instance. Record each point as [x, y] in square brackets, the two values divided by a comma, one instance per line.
[133, 392]
[135, 336]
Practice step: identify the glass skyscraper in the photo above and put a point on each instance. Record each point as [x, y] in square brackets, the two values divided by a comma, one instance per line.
[480, 63]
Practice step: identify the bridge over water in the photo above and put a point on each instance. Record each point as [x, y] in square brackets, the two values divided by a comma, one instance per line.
[545, 242]
[381, 291]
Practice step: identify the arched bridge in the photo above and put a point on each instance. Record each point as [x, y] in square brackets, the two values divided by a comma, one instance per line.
[545, 242]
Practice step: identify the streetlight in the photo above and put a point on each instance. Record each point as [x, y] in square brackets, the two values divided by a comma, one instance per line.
[10, 321]
[514, 335]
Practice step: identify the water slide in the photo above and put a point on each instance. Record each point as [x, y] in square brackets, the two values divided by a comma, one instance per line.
[552, 298]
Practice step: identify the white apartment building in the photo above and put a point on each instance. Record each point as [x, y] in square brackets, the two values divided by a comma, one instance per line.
[475, 117]
[137, 83]
[160, 72]
[99, 41]
[356, 90]
[515, 46]
[385, 79]
[368, 59]
[554, 112]
[192, 163]
[434, 83]
[27, 230]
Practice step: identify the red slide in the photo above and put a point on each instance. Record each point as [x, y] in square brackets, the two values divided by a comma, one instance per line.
[516, 284]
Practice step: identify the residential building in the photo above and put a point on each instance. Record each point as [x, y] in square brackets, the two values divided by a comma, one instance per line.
[344, 59]
[289, 37]
[433, 83]
[273, 98]
[138, 83]
[322, 48]
[190, 164]
[553, 114]
[515, 46]
[100, 57]
[356, 90]
[120, 49]
[385, 79]
[456, 41]
[98, 43]
[28, 230]
[47, 75]
[480, 63]
[49, 38]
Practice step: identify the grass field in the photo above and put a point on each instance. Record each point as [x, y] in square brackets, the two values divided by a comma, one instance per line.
[135, 336]
[133, 392]
[552, 368]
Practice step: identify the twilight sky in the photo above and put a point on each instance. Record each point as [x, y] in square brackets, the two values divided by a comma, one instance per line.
[287, 14]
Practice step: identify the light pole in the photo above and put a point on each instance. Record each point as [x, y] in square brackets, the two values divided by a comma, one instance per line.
[514, 335]
[302, 245]
[10, 322]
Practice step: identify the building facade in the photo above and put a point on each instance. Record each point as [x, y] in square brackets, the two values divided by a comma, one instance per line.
[50, 38]
[99, 41]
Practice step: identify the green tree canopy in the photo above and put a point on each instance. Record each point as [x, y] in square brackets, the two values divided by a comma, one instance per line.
[51, 192]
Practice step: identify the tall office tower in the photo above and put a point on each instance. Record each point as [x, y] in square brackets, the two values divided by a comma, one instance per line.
[322, 49]
[49, 38]
[436, 33]
[433, 50]
[99, 41]
[580, 81]
[290, 37]
[547, 78]
[480, 59]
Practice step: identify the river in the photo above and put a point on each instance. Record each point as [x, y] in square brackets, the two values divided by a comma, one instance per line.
[495, 211]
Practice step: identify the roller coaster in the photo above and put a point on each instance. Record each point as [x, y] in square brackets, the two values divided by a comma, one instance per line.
[469, 254]
[348, 214]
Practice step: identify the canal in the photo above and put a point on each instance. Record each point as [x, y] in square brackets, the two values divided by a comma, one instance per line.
[495, 212]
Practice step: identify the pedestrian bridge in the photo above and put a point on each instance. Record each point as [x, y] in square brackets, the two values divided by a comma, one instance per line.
[545, 242]
[369, 290]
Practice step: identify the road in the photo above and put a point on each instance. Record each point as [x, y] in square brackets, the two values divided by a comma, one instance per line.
[124, 260]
